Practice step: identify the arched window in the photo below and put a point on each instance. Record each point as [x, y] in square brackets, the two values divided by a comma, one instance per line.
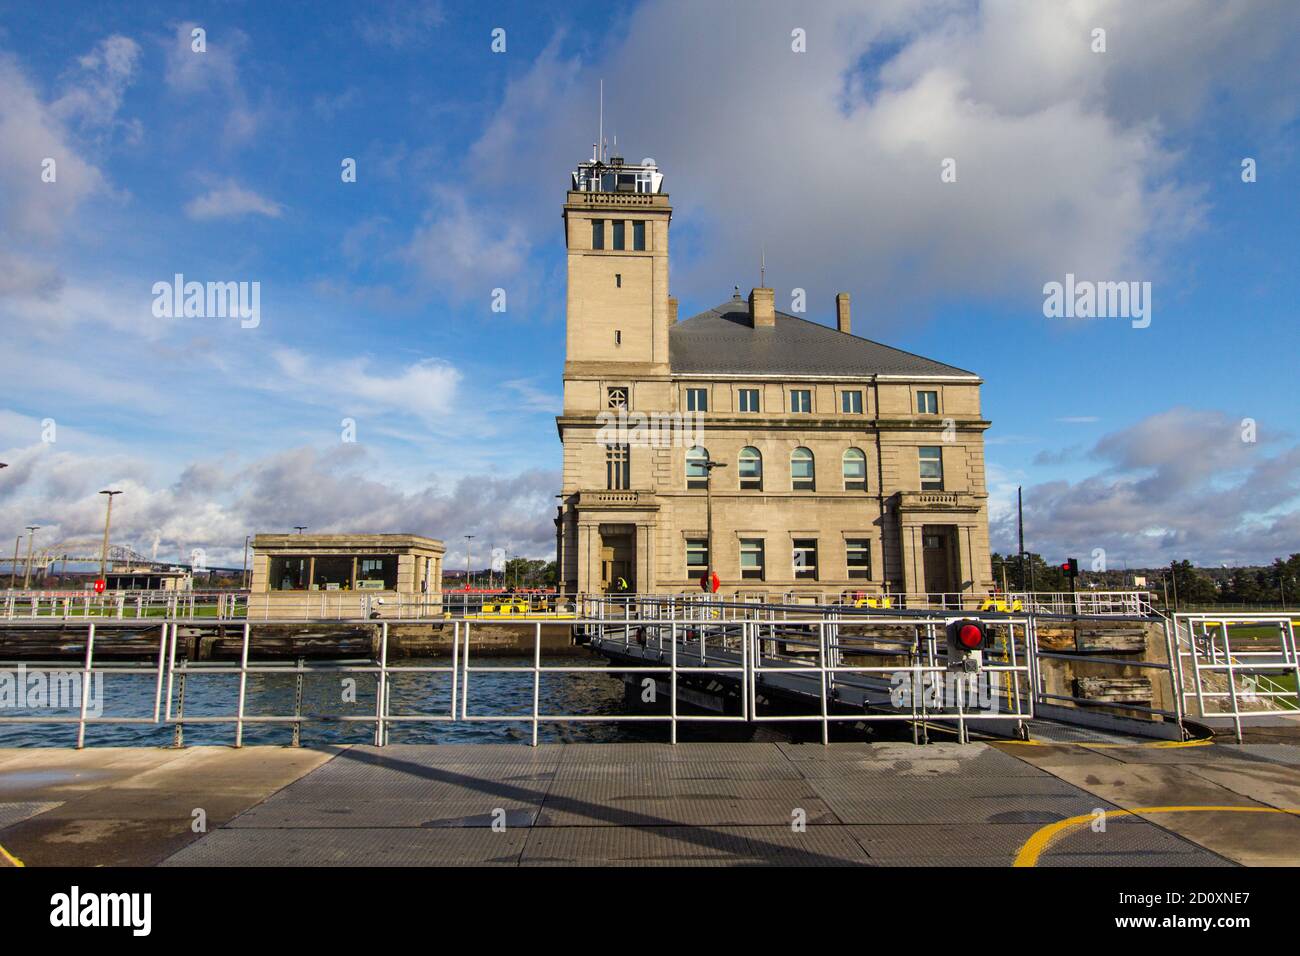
[750, 466]
[855, 470]
[697, 475]
[802, 477]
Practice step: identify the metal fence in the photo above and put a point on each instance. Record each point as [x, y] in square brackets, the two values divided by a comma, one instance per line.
[824, 665]
[122, 605]
[1238, 666]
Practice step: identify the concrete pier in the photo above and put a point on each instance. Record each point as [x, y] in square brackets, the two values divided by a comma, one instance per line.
[655, 804]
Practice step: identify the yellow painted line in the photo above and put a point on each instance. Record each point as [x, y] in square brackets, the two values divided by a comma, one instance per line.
[1037, 844]
[1164, 744]
[10, 858]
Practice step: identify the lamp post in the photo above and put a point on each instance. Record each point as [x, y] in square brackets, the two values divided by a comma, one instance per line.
[709, 465]
[108, 520]
[13, 568]
[31, 535]
[468, 538]
[300, 528]
[243, 578]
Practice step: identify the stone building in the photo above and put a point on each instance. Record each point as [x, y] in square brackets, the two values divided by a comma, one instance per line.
[345, 575]
[849, 466]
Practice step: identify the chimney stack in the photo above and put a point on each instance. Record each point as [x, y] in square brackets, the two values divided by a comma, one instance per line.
[672, 310]
[762, 308]
[842, 312]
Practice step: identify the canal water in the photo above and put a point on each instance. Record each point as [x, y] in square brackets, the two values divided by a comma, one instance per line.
[334, 695]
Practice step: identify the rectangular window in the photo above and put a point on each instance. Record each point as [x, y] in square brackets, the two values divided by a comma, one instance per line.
[748, 399]
[332, 572]
[288, 574]
[800, 400]
[638, 235]
[618, 471]
[749, 468]
[697, 399]
[927, 403]
[931, 467]
[377, 573]
[697, 556]
[858, 555]
[618, 233]
[851, 402]
[618, 280]
[805, 559]
[751, 558]
[598, 233]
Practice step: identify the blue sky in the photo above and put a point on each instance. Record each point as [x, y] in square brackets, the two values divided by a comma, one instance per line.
[224, 165]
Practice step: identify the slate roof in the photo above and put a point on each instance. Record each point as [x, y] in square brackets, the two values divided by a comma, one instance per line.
[722, 341]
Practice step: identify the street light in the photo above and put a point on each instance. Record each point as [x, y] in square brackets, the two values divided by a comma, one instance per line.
[108, 520]
[31, 535]
[300, 528]
[468, 538]
[708, 466]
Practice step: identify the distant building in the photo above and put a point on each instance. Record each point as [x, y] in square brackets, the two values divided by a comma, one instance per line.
[146, 579]
[345, 574]
[850, 465]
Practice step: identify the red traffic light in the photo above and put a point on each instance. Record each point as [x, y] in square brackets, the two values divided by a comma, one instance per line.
[970, 636]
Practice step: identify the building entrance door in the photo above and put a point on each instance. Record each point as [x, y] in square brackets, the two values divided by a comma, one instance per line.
[936, 546]
[617, 559]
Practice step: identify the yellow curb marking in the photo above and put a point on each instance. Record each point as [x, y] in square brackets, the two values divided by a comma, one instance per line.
[10, 858]
[1037, 844]
[1204, 742]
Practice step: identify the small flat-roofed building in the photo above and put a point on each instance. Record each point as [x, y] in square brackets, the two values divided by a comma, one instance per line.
[345, 575]
[147, 579]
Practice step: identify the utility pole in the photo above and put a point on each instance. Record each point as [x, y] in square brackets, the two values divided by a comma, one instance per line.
[31, 535]
[709, 465]
[108, 519]
[1020, 515]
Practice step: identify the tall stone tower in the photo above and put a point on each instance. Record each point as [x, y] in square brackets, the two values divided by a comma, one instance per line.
[616, 231]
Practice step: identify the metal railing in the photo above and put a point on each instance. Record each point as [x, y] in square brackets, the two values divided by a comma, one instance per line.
[825, 664]
[68, 605]
[1259, 676]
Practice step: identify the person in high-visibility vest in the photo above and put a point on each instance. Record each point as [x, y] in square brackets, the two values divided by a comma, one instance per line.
[620, 584]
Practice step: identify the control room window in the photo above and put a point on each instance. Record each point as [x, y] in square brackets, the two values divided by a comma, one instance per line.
[616, 397]
[288, 574]
[377, 573]
[858, 555]
[697, 399]
[697, 556]
[802, 474]
[855, 470]
[851, 402]
[332, 572]
[800, 400]
[618, 468]
[927, 403]
[931, 457]
[750, 467]
[748, 399]
[805, 559]
[598, 233]
[751, 558]
[697, 474]
[638, 235]
[618, 233]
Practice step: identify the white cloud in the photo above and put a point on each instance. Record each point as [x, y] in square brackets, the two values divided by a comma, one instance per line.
[215, 75]
[423, 389]
[214, 504]
[469, 252]
[832, 158]
[1178, 484]
[231, 201]
[400, 25]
